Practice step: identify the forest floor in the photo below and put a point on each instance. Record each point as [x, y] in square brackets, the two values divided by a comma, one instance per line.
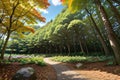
[97, 71]
[89, 71]
[64, 71]
[43, 73]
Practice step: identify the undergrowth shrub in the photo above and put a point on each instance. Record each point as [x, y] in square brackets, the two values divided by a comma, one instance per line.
[32, 60]
[73, 59]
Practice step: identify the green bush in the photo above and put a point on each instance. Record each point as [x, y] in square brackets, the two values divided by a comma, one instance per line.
[69, 58]
[5, 61]
[73, 59]
[33, 60]
[110, 63]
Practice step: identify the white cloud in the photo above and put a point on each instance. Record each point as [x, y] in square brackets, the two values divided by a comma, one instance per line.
[56, 2]
[44, 11]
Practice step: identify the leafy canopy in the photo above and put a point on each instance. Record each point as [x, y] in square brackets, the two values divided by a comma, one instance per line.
[75, 5]
[14, 14]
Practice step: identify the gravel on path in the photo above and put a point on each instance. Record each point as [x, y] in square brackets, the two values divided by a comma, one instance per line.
[63, 72]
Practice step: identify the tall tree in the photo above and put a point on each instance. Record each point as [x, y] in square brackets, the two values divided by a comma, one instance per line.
[76, 5]
[62, 30]
[114, 41]
[18, 12]
[99, 33]
[76, 26]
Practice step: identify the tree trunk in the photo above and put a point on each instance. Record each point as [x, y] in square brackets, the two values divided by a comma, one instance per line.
[4, 46]
[114, 41]
[74, 45]
[2, 41]
[68, 47]
[56, 49]
[86, 47]
[60, 49]
[81, 46]
[116, 12]
[99, 34]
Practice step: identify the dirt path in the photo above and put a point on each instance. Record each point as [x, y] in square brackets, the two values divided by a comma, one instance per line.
[63, 72]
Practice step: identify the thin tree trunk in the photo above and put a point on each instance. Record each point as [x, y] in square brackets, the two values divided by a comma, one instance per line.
[81, 46]
[74, 48]
[86, 47]
[99, 34]
[74, 45]
[4, 46]
[79, 40]
[2, 41]
[56, 49]
[95, 49]
[60, 48]
[116, 12]
[114, 41]
[10, 54]
[68, 47]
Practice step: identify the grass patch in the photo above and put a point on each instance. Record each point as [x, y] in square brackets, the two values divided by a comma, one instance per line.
[32, 60]
[22, 55]
[72, 59]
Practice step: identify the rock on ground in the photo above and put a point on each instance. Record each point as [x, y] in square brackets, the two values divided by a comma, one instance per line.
[27, 73]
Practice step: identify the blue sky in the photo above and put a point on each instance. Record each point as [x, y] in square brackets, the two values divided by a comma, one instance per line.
[53, 10]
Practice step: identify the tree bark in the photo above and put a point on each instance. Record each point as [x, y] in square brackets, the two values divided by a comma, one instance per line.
[4, 46]
[68, 47]
[114, 41]
[86, 47]
[74, 45]
[60, 49]
[99, 34]
[81, 46]
[2, 41]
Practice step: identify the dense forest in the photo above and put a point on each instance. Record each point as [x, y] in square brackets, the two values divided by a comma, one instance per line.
[71, 33]
[84, 36]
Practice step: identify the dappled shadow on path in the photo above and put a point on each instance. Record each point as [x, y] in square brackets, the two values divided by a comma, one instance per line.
[69, 75]
[97, 70]
[63, 72]
[102, 67]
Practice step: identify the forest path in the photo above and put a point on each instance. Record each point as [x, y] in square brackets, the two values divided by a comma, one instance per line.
[63, 72]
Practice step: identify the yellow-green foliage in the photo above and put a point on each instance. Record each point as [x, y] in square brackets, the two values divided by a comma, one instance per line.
[18, 12]
[75, 5]
[72, 59]
[33, 60]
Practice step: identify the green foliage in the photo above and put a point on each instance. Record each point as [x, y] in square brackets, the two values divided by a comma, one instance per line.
[77, 54]
[73, 59]
[69, 30]
[5, 62]
[76, 5]
[110, 63]
[75, 23]
[69, 59]
[32, 60]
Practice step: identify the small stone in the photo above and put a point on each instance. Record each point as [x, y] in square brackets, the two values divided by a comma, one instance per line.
[78, 65]
[27, 73]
